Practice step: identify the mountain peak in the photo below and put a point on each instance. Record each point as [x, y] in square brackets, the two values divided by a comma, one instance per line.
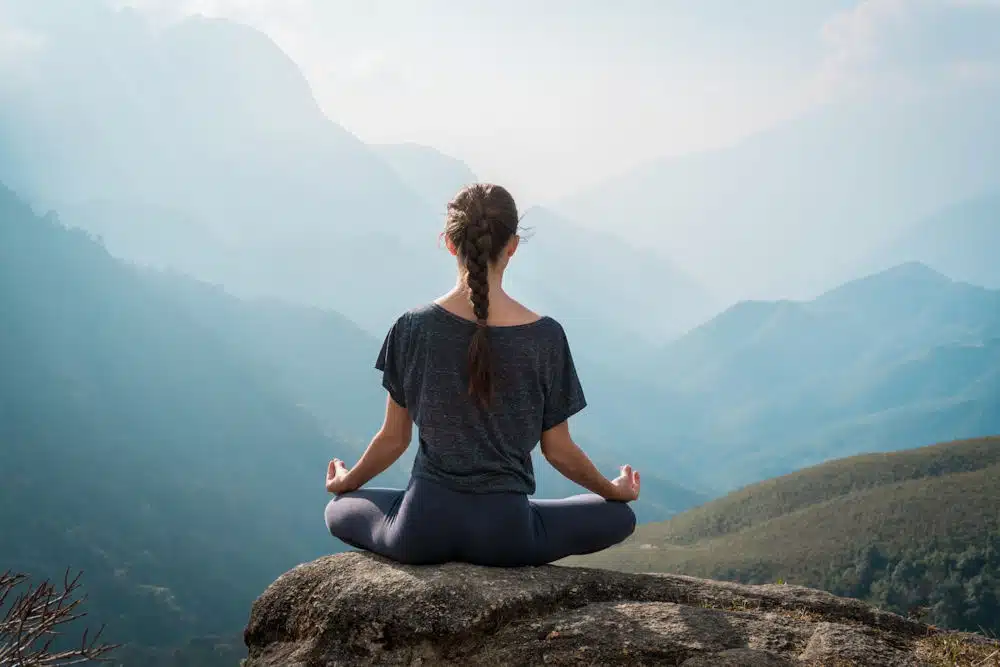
[905, 276]
[912, 270]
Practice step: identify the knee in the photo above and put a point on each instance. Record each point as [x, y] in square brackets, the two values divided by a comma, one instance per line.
[335, 517]
[624, 521]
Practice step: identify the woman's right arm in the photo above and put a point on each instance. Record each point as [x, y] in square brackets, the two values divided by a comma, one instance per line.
[567, 457]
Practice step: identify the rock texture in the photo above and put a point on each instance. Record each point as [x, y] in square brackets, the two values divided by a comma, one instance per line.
[359, 609]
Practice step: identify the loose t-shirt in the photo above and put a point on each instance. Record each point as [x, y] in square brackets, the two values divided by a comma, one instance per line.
[464, 446]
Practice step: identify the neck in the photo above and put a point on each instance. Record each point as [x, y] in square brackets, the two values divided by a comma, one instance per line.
[494, 279]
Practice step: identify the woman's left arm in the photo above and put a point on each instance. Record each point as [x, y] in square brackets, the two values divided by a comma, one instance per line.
[385, 448]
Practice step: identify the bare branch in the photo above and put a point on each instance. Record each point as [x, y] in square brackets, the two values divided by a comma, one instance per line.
[33, 620]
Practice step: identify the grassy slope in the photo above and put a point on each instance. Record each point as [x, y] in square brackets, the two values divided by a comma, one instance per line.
[796, 526]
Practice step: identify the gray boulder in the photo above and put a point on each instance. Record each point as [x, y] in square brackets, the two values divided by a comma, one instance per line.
[360, 609]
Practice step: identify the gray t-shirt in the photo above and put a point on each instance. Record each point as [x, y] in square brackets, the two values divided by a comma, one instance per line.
[424, 364]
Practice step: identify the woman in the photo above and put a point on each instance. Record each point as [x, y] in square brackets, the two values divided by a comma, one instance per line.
[484, 379]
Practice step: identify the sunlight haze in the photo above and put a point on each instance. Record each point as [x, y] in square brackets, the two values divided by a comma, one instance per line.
[551, 97]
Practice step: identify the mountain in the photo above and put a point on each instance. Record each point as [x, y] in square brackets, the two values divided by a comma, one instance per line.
[959, 241]
[174, 158]
[906, 355]
[319, 360]
[161, 136]
[908, 529]
[781, 213]
[434, 176]
[160, 439]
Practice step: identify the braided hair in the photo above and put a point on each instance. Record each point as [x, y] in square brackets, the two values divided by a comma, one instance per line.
[481, 220]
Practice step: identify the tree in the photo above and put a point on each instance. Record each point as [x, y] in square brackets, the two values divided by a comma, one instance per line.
[34, 616]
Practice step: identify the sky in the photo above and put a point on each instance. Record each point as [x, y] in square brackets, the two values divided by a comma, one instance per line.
[551, 97]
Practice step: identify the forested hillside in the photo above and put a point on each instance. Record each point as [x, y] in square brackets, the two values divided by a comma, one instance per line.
[915, 531]
[141, 447]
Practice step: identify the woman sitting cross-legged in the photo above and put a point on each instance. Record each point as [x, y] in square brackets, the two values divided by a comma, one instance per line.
[485, 380]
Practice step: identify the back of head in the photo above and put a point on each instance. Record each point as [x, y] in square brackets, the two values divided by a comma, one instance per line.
[481, 220]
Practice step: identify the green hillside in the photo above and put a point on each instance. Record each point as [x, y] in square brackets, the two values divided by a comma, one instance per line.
[902, 529]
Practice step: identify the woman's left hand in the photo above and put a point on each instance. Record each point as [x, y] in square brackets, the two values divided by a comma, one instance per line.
[336, 477]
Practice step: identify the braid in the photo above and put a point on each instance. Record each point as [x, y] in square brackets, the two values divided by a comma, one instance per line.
[481, 220]
[477, 251]
[478, 244]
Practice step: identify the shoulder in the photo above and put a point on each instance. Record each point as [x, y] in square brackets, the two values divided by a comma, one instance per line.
[550, 332]
[422, 318]
[416, 314]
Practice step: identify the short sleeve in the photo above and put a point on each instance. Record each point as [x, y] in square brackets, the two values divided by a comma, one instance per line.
[392, 363]
[564, 393]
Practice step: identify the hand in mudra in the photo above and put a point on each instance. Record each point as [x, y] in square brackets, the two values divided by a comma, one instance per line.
[626, 484]
[336, 477]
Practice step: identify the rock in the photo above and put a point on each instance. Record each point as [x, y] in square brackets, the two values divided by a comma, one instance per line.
[359, 609]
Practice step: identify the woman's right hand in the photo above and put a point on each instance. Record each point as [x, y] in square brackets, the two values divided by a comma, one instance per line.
[336, 477]
[626, 485]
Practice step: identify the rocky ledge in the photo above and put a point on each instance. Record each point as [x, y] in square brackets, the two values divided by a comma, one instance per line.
[359, 609]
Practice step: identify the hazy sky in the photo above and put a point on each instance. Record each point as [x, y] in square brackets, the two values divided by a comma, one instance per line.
[548, 97]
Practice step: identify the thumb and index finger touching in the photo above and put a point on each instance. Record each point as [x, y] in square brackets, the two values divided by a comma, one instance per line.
[632, 476]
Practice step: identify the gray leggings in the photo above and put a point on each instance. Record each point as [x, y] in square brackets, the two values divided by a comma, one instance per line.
[429, 523]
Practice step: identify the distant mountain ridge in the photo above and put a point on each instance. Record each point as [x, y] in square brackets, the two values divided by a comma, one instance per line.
[959, 240]
[262, 193]
[779, 214]
[905, 355]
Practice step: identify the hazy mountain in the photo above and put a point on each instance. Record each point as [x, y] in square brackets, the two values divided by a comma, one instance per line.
[960, 240]
[884, 316]
[318, 359]
[185, 165]
[910, 529]
[903, 356]
[139, 446]
[434, 176]
[165, 138]
[780, 214]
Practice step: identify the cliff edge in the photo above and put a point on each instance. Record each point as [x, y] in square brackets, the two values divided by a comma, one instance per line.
[360, 609]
